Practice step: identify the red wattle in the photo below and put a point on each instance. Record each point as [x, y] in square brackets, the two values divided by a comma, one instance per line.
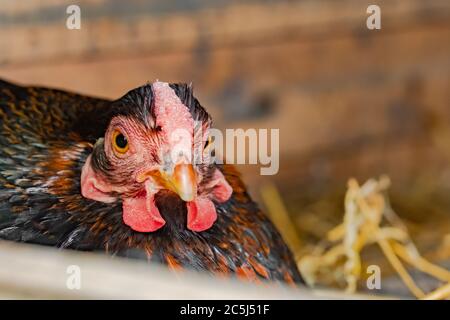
[141, 214]
[201, 214]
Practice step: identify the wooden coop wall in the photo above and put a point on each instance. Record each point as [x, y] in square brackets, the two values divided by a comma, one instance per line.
[309, 67]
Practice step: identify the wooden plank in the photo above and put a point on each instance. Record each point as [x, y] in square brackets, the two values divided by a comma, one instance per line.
[37, 33]
[28, 271]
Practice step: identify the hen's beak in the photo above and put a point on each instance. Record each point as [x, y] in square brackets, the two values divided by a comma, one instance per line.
[183, 181]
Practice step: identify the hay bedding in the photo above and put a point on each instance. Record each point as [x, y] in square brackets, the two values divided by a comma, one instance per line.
[339, 256]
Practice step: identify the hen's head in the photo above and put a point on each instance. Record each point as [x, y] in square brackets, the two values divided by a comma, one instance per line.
[157, 139]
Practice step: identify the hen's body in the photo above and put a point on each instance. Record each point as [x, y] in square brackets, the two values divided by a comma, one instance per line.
[45, 138]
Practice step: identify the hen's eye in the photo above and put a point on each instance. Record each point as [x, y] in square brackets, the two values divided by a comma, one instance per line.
[120, 142]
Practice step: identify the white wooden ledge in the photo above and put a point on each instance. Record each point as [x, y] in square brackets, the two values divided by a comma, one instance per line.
[30, 272]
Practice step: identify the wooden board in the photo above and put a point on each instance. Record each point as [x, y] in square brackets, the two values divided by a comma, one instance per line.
[36, 272]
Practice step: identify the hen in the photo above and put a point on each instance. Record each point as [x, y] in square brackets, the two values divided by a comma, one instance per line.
[91, 174]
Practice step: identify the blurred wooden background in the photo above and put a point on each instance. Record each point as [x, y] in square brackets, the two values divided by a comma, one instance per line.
[310, 68]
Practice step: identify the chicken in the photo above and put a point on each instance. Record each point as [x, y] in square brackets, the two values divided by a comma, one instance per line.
[91, 174]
